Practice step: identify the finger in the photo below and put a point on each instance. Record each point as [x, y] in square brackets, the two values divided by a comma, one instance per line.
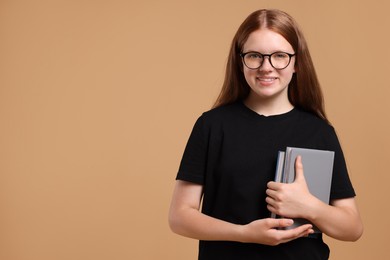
[308, 230]
[271, 193]
[269, 200]
[282, 222]
[272, 185]
[272, 207]
[273, 223]
[297, 232]
[299, 175]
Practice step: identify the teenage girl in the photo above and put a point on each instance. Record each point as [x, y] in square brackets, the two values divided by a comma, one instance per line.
[224, 191]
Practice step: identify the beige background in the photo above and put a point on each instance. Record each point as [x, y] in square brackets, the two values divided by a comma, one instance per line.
[97, 99]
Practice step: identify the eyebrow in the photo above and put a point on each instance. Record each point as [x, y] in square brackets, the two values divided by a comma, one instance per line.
[265, 53]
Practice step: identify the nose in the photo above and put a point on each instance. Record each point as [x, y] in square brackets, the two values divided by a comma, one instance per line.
[266, 64]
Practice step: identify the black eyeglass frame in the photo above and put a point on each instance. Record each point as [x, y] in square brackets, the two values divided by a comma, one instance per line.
[242, 54]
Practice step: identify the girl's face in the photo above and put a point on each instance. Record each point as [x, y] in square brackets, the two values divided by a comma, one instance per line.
[266, 82]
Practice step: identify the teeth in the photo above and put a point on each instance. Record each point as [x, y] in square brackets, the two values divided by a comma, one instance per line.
[267, 79]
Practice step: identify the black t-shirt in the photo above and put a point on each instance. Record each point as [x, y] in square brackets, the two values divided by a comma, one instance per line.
[232, 152]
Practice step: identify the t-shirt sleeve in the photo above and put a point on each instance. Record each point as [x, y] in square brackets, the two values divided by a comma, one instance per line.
[193, 163]
[341, 183]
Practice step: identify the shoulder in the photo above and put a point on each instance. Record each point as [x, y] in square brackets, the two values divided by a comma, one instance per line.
[219, 119]
[313, 121]
[318, 129]
[222, 113]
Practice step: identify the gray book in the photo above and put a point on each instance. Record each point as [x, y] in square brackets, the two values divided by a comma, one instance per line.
[317, 168]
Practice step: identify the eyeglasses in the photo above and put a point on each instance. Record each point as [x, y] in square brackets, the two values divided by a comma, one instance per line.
[279, 60]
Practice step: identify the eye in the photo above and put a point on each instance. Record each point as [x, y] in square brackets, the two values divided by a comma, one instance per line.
[253, 55]
[280, 55]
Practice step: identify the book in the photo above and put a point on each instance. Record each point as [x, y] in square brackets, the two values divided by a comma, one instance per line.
[317, 169]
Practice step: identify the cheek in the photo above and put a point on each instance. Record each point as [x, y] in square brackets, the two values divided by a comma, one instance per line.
[288, 74]
[287, 79]
[249, 75]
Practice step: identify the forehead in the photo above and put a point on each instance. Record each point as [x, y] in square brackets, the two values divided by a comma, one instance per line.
[266, 41]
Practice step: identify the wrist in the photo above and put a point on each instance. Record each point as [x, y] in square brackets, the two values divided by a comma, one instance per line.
[240, 233]
[313, 209]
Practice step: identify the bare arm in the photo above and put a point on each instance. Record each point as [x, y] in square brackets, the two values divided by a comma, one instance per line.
[186, 219]
[340, 220]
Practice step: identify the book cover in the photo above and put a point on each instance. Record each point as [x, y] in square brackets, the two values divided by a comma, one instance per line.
[317, 168]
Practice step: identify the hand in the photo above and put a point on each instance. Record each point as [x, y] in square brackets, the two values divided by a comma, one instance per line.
[264, 231]
[291, 200]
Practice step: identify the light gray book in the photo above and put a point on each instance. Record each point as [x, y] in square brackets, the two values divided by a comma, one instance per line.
[279, 172]
[317, 168]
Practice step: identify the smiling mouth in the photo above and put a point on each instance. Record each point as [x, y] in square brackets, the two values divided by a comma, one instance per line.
[268, 79]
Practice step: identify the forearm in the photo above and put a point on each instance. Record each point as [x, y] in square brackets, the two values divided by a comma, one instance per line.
[191, 223]
[186, 219]
[337, 221]
[194, 224]
[340, 220]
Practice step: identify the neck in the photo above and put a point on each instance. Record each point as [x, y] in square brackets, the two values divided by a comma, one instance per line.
[268, 107]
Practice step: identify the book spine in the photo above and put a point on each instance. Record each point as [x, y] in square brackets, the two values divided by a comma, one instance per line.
[279, 172]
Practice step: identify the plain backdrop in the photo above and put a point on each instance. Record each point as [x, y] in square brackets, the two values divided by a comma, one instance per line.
[98, 98]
